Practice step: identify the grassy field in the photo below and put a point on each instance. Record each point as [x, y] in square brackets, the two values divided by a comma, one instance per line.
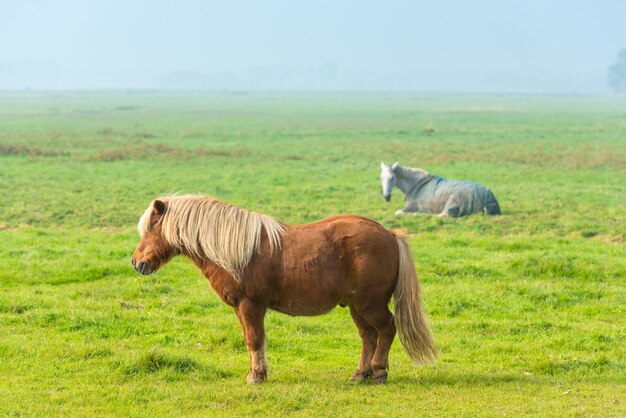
[528, 309]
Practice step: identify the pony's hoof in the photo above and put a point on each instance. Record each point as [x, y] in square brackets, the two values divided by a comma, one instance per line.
[360, 377]
[379, 376]
[255, 378]
[399, 212]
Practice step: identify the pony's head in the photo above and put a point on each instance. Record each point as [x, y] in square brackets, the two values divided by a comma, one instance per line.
[388, 178]
[204, 229]
[153, 250]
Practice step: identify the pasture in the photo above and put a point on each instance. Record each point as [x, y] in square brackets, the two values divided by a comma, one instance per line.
[528, 309]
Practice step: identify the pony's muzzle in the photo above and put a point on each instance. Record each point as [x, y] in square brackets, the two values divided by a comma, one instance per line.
[141, 267]
[387, 197]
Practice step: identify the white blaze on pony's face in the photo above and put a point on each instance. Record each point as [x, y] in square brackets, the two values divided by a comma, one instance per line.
[387, 179]
[153, 251]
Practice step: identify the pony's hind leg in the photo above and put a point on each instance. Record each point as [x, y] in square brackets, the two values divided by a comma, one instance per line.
[452, 208]
[382, 320]
[368, 336]
[251, 316]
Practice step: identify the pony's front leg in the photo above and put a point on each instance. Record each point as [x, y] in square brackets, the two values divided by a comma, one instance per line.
[411, 207]
[251, 316]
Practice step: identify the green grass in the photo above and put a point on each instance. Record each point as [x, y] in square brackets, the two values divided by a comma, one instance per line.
[528, 309]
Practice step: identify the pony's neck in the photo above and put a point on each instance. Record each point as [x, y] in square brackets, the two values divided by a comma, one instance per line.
[407, 179]
[208, 268]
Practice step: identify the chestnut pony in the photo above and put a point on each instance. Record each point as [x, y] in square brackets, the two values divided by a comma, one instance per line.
[254, 263]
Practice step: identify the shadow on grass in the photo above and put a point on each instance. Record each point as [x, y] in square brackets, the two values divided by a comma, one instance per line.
[440, 379]
[155, 361]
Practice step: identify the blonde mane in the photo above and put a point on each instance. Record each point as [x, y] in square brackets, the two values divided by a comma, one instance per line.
[213, 230]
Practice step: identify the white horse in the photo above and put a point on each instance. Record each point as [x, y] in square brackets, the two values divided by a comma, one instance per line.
[427, 193]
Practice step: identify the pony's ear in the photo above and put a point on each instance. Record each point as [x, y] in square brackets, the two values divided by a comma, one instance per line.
[382, 165]
[159, 207]
[394, 165]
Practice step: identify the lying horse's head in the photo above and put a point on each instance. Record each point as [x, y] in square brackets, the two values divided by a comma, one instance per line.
[153, 250]
[388, 179]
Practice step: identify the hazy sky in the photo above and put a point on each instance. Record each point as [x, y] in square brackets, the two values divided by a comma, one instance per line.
[488, 45]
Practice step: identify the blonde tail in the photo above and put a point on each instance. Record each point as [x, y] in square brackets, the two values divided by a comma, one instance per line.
[410, 318]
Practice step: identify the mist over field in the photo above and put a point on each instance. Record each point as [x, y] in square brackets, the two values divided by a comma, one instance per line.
[451, 46]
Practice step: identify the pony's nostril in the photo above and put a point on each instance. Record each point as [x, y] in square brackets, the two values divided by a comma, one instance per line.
[142, 267]
[132, 261]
